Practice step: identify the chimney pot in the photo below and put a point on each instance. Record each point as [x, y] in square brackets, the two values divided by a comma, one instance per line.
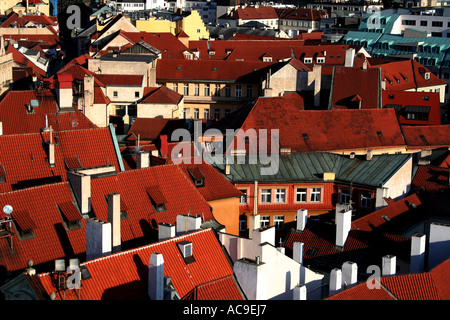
[1, 128]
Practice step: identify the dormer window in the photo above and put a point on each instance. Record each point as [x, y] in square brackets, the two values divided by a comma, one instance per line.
[157, 199]
[71, 217]
[427, 75]
[24, 225]
[197, 176]
[267, 59]
[307, 60]
[321, 60]
[2, 173]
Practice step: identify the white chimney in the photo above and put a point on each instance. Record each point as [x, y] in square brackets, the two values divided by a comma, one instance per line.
[349, 273]
[253, 224]
[166, 231]
[81, 186]
[389, 264]
[156, 277]
[349, 57]
[335, 281]
[142, 160]
[439, 246]
[255, 199]
[302, 215]
[227, 169]
[299, 292]
[186, 223]
[88, 83]
[1, 128]
[51, 150]
[98, 238]
[64, 91]
[114, 219]
[297, 253]
[343, 226]
[264, 235]
[418, 244]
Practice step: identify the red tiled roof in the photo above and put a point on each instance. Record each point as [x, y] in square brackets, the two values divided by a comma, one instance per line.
[20, 59]
[47, 39]
[432, 179]
[361, 292]
[216, 186]
[152, 128]
[160, 94]
[253, 13]
[427, 136]
[441, 277]
[328, 130]
[14, 18]
[446, 162]
[41, 205]
[296, 99]
[364, 83]
[393, 209]
[69, 210]
[408, 99]
[210, 274]
[301, 14]
[121, 79]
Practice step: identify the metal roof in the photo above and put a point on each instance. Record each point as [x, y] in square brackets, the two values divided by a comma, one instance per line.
[309, 167]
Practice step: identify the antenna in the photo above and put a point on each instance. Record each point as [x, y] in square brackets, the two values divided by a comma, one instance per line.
[6, 226]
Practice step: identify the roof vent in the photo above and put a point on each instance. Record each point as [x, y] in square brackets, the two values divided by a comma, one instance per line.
[305, 136]
[379, 133]
[178, 68]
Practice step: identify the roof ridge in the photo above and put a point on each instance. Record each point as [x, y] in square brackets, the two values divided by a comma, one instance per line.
[34, 187]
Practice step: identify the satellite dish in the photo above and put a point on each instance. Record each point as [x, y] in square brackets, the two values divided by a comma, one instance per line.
[7, 209]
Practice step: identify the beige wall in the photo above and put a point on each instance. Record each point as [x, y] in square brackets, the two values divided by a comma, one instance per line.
[400, 184]
[440, 89]
[147, 110]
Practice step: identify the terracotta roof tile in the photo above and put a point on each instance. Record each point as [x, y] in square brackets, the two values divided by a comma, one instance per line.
[160, 94]
[427, 136]
[432, 179]
[69, 211]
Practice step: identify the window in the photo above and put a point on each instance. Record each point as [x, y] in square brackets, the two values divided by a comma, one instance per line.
[307, 60]
[243, 199]
[205, 113]
[196, 113]
[186, 113]
[136, 94]
[238, 92]
[280, 195]
[409, 22]
[186, 89]
[242, 223]
[227, 90]
[301, 195]
[217, 90]
[115, 94]
[249, 91]
[216, 113]
[175, 87]
[278, 222]
[315, 195]
[198, 30]
[265, 221]
[365, 200]
[266, 195]
[345, 196]
[196, 89]
[321, 60]
[206, 90]
[437, 23]
[227, 112]
[423, 23]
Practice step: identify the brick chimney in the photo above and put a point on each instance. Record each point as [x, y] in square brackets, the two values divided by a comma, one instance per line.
[114, 219]
[64, 93]
[156, 277]
[98, 238]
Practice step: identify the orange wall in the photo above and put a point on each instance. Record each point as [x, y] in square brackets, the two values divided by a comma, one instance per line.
[226, 212]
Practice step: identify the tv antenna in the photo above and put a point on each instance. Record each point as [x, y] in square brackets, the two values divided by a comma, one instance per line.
[6, 226]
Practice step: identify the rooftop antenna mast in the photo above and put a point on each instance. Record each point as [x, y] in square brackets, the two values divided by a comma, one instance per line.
[6, 226]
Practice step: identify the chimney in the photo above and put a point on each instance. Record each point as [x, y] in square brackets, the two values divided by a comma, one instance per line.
[164, 145]
[98, 238]
[335, 281]
[299, 292]
[389, 263]
[253, 224]
[81, 186]
[51, 150]
[349, 273]
[343, 226]
[142, 160]
[349, 57]
[369, 154]
[1, 128]
[255, 198]
[88, 82]
[329, 176]
[227, 169]
[439, 244]
[364, 65]
[264, 235]
[302, 216]
[166, 231]
[297, 252]
[417, 263]
[64, 92]
[114, 219]
[156, 277]
[186, 223]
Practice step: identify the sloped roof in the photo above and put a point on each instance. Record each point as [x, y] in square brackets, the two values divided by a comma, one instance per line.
[215, 186]
[121, 79]
[327, 130]
[301, 14]
[431, 178]
[22, 60]
[162, 94]
[210, 275]
[427, 136]
[394, 209]
[153, 128]
[16, 120]
[432, 285]
[348, 82]
[254, 13]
